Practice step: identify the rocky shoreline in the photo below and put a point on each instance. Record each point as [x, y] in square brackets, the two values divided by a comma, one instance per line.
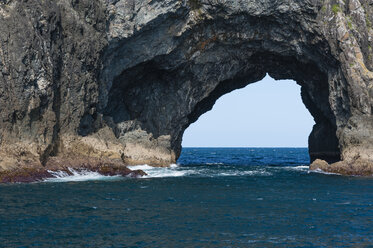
[40, 173]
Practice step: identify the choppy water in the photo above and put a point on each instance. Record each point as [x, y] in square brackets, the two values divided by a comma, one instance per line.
[239, 197]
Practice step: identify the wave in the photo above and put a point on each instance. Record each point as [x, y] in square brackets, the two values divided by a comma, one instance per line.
[324, 172]
[246, 173]
[297, 168]
[77, 176]
[156, 172]
[180, 171]
[143, 167]
[173, 170]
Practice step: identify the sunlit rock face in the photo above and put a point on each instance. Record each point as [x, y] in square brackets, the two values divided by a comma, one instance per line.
[120, 80]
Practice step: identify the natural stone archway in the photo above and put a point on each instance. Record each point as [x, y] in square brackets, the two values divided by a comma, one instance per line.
[120, 80]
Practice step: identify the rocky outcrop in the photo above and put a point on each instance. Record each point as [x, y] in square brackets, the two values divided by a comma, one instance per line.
[29, 175]
[120, 80]
[359, 166]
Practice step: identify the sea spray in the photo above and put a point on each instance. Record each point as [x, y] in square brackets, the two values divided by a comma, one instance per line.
[77, 176]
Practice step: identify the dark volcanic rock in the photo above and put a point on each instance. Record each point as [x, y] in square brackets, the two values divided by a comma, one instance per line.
[121, 80]
[109, 170]
[24, 175]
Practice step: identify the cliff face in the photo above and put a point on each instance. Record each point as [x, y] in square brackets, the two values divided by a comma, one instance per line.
[120, 80]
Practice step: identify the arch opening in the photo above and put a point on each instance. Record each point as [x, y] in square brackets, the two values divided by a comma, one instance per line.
[267, 113]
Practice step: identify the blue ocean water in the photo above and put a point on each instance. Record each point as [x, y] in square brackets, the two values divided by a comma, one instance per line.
[214, 197]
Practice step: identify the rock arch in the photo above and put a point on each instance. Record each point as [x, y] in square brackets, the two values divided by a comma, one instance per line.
[128, 77]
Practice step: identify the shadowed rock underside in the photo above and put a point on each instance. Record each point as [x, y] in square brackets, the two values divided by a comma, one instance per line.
[120, 80]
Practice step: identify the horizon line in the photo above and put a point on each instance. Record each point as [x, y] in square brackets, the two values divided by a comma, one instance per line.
[244, 147]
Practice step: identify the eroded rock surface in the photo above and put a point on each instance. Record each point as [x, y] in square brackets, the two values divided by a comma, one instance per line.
[359, 166]
[120, 80]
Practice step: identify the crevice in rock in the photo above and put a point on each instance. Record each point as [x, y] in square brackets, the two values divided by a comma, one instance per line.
[56, 46]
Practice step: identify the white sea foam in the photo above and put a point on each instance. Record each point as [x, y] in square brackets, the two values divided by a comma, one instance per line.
[324, 172]
[297, 168]
[173, 170]
[179, 171]
[156, 172]
[246, 173]
[77, 176]
[302, 167]
[143, 167]
[165, 173]
[174, 165]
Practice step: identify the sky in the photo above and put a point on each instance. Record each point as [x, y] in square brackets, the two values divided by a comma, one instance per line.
[267, 113]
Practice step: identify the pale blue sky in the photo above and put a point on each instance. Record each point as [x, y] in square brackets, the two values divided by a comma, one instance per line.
[267, 113]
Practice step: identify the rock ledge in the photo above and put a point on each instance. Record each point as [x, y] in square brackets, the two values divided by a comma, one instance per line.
[359, 167]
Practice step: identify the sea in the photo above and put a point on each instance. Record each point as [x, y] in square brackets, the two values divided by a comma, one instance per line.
[212, 197]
